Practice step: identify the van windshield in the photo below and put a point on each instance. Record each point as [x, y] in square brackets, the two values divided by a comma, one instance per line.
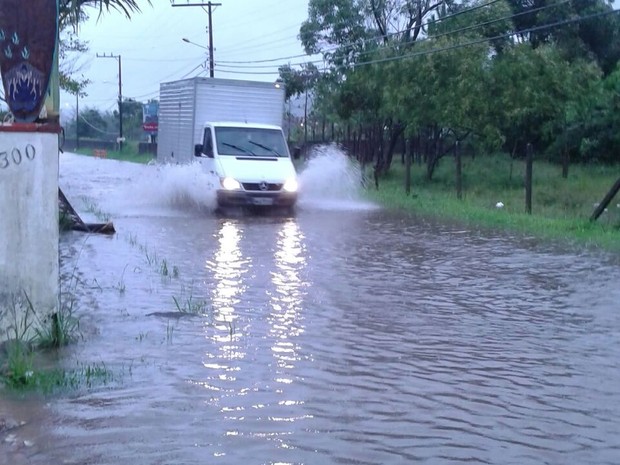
[259, 142]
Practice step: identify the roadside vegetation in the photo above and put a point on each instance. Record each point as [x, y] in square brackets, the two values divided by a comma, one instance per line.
[493, 196]
[129, 153]
[29, 356]
[413, 81]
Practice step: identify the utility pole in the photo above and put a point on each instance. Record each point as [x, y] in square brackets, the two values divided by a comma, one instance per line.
[209, 6]
[120, 97]
[77, 120]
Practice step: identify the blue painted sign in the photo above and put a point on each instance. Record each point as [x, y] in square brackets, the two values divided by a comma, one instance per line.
[28, 35]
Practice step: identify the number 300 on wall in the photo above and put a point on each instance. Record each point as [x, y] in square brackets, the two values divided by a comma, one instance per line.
[16, 156]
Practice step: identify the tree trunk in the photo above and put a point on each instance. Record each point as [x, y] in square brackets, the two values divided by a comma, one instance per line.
[459, 171]
[397, 131]
[433, 154]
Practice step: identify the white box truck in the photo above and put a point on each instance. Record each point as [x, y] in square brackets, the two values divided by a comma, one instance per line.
[234, 128]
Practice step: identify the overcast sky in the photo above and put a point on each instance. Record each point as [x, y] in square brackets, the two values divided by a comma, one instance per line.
[152, 50]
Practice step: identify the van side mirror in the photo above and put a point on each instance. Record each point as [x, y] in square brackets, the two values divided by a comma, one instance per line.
[198, 150]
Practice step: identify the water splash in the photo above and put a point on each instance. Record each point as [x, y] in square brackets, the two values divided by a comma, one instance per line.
[331, 181]
[185, 187]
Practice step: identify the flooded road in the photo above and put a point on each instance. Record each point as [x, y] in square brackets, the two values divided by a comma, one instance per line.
[346, 334]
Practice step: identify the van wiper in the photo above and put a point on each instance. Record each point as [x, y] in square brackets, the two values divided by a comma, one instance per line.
[236, 147]
[269, 149]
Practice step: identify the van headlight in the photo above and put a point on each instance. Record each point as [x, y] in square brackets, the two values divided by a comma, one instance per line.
[291, 185]
[230, 184]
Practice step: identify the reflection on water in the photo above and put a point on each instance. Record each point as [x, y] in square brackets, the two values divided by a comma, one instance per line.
[286, 317]
[227, 268]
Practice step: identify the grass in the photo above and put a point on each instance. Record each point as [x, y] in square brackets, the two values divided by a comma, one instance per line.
[22, 374]
[561, 208]
[191, 306]
[129, 153]
[29, 336]
[92, 207]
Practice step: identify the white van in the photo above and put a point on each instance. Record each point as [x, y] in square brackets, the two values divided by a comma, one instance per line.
[246, 154]
[251, 163]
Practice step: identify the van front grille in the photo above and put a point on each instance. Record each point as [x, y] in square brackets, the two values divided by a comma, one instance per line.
[262, 187]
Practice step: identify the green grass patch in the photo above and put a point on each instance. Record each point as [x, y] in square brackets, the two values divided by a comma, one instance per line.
[24, 371]
[130, 153]
[33, 344]
[561, 207]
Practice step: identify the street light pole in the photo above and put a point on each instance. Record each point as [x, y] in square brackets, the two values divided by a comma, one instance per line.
[209, 6]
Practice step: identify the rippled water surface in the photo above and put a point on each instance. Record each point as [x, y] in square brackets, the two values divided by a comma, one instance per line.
[344, 335]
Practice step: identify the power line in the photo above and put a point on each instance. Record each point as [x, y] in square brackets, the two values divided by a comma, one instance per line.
[373, 39]
[442, 49]
[464, 44]
[486, 39]
[449, 33]
[88, 123]
[250, 72]
[241, 47]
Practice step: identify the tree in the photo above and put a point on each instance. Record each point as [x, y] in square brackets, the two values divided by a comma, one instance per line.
[297, 82]
[91, 124]
[597, 37]
[595, 128]
[334, 28]
[534, 89]
[132, 118]
[72, 11]
[353, 34]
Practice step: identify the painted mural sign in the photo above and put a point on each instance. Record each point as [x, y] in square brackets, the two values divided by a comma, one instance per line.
[28, 34]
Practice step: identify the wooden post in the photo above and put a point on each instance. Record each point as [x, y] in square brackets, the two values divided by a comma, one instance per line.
[459, 171]
[565, 155]
[529, 162]
[603, 205]
[408, 157]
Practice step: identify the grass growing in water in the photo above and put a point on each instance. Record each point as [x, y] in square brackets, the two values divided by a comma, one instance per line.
[28, 335]
[191, 306]
[560, 207]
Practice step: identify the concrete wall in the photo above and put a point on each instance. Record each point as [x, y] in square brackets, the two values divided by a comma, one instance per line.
[28, 225]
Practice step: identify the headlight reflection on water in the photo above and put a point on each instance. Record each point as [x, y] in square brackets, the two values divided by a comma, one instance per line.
[286, 301]
[243, 392]
[228, 268]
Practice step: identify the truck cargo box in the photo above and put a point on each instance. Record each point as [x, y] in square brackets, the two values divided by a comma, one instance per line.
[186, 105]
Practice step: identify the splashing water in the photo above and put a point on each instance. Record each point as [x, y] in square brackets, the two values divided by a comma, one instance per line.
[185, 186]
[331, 181]
[128, 189]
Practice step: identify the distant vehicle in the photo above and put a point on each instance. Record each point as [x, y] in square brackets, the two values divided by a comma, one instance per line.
[235, 129]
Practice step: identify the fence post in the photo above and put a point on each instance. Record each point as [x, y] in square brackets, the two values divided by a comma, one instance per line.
[608, 198]
[529, 162]
[459, 171]
[408, 156]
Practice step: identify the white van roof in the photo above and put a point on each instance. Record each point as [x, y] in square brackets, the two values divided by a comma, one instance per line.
[229, 124]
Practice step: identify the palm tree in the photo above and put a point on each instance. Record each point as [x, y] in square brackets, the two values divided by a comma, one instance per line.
[71, 10]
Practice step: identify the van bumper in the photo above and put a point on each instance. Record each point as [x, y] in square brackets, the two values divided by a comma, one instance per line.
[252, 199]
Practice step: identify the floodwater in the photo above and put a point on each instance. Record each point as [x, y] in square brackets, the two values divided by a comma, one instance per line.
[344, 335]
